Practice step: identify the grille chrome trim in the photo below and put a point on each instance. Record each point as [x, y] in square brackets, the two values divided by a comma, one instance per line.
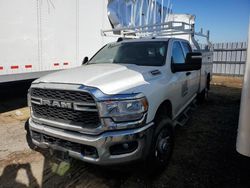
[35, 100]
[85, 107]
[62, 95]
[78, 106]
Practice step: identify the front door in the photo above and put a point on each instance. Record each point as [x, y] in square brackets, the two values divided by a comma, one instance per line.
[193, 77]
[177, 57]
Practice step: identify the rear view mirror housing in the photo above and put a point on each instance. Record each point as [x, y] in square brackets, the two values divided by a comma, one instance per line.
[193, 62]
[85, 60]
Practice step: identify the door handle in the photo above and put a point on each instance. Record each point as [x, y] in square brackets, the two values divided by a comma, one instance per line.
[188, 73]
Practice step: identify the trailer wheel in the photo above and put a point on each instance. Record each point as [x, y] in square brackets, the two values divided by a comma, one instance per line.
[161, 147]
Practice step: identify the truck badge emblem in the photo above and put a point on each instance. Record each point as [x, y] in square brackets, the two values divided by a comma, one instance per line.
[58, 104]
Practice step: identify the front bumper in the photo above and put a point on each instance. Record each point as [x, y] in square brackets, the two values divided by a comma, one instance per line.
[101, 143]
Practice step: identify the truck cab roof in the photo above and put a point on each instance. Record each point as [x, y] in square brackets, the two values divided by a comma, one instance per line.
[151, 39]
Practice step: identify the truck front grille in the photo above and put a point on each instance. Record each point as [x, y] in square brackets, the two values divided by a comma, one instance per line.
[82, 118]
[85, 119]
[63, 95]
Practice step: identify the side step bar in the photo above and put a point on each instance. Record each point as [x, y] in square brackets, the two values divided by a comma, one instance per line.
[183, 118]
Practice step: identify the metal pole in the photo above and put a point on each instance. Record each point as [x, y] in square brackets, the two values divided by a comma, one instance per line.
[155, 9]
[243, 138]
[141, 12]
[148, 12]
[132, 15]
[167, 13]
[162, 12]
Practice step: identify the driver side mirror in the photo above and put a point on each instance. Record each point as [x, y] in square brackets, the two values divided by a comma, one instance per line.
[192, 62]
[85, 60]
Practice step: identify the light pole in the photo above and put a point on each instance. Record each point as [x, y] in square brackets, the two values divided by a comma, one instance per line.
[243, 137]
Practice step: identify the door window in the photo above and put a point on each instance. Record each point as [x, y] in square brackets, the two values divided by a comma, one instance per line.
[187, 48]
[177, 54]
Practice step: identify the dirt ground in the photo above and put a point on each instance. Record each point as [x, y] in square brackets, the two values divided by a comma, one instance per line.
[204, 154]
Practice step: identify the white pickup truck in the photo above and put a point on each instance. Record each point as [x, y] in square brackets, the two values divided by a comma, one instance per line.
[122, 104]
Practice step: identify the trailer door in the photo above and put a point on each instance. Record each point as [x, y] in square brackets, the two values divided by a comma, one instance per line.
[18, 38]
[58, 32]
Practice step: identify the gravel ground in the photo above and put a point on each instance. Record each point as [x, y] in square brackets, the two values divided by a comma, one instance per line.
[204, 154]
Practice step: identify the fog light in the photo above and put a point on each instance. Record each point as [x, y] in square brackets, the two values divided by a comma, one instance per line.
[89, 151]
[123, 148]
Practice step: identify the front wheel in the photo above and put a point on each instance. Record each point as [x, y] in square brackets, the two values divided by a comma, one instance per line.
[162, 145]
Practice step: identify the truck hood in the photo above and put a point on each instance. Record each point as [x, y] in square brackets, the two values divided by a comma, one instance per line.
[109, 78]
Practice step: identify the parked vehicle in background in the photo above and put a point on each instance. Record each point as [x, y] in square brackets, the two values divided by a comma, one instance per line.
[122, 104]
[39, 37]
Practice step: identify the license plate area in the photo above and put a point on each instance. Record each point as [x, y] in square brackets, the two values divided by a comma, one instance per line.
[62, 147]
[59, 155]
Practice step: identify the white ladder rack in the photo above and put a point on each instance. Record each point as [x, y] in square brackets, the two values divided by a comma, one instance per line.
[167, 29]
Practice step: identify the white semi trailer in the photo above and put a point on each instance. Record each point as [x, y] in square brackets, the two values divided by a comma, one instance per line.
[41, 36]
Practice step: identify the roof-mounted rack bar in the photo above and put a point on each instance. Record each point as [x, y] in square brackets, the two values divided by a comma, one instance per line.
[167, 29]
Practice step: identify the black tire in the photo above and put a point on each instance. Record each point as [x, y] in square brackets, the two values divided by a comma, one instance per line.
[201, 97]
[161, 147]
[208, 82]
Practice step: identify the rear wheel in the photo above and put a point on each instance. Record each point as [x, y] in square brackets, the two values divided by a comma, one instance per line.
[208, 82]
[202, 95]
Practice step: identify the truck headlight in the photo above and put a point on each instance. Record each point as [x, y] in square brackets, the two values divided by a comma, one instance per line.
[123, 110]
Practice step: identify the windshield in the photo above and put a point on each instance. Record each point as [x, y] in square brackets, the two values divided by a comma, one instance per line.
[138, 53]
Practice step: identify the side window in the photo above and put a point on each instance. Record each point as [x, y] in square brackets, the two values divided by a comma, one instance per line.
[177, 53]
[186, 47]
